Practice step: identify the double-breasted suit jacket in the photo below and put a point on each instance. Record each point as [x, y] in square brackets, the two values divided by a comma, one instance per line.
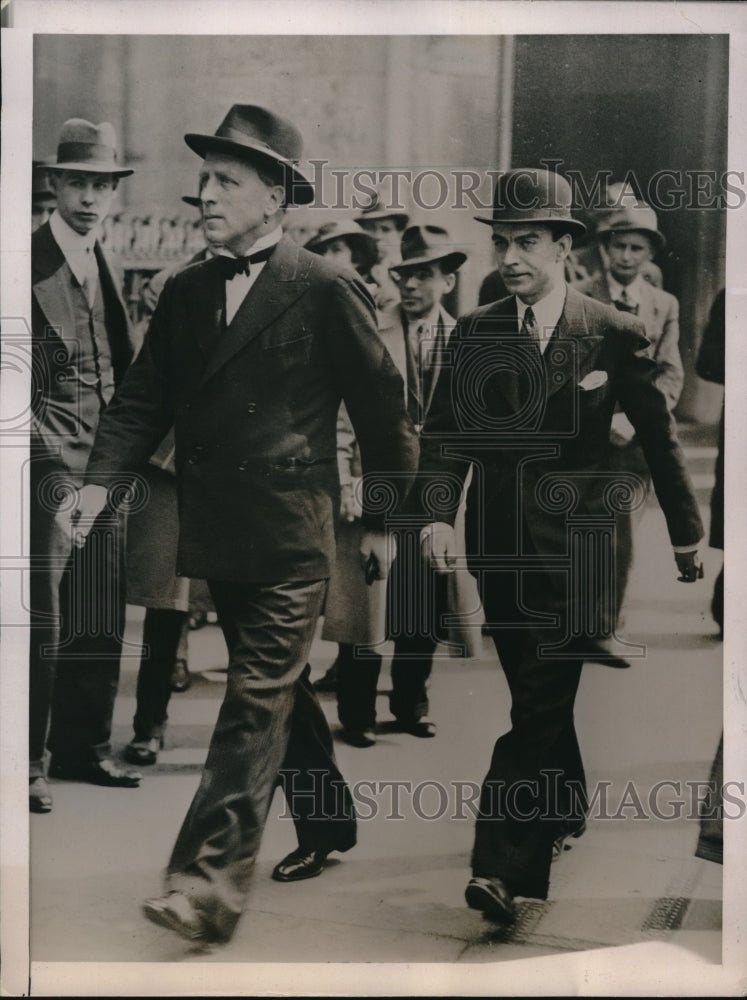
[659, 313]
[531, 427]
[254, 406]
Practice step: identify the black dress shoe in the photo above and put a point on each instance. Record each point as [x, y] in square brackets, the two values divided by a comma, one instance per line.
[423, 728]
[40, 801]
[106, 772]
[492, 897]
[300, 864]
[359, 737]
[559, 844]
[595, 651]
[143, 752]
[176, 912]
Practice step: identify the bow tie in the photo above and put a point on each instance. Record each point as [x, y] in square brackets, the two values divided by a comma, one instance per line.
[231, 266]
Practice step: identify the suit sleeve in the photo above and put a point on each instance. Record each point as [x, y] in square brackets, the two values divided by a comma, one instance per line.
[646, 406]
[711, 363]
[671, 374]
[141, 411]
[441, 477]
[372, 390]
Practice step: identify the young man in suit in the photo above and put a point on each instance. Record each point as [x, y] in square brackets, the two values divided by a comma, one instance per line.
[82, 345]
[528, 398]
[630, 238]
[249, 357]
[415, 333]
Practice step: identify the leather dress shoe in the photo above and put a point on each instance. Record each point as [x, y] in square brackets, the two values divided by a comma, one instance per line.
[559, 844]
[300, 864]
[492, 897]
[40, 801]
[422, 728]
[143, 752]
[359, 737]
[107, 773]
[176, 912]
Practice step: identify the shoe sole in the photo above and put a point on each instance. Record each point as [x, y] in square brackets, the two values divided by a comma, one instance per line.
[39, 809]
[479, 898]
[297, 878]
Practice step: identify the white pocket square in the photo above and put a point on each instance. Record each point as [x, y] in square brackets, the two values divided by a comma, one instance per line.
[593, 380]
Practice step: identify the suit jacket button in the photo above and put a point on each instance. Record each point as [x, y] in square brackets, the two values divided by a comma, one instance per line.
[243, 466]
[251, 408]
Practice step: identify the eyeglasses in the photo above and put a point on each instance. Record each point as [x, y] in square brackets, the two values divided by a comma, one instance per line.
[420, 274]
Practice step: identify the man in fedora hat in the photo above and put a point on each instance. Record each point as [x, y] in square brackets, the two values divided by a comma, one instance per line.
[527, 400]
[386, 225]
[629, 237]
[43, 198]
[415, 333]
[248, 356]
[82, 345]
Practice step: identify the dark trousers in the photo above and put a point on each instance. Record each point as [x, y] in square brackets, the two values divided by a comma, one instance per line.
[416, 599]
[631, 461]
[164, 642]
[535, 787]
[270, 730]
[77, 620]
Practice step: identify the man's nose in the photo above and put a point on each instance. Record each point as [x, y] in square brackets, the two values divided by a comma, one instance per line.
[208, 190]
[88, 194]
[510, 255]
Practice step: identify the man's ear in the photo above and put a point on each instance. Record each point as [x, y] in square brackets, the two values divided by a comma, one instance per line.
[449, 281]
[564, 244]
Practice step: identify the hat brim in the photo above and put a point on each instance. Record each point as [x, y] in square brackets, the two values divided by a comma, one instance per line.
[86, 167]
[366, 245]
[298, 190]
[188, 199]
[654, 235]
[449, 261]
[575, 228]
[401, 218]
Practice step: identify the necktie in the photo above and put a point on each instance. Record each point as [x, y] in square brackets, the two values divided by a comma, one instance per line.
[231, 266]
[90, 277]
[530, 328]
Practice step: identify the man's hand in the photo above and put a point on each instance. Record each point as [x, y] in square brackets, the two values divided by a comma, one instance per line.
[438, 546]
[690, 567]
[350, 507]
[90, 501]
[377, 552]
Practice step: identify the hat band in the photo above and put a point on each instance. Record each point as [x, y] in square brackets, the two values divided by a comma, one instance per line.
[251, 142]
[537, 212]
[81, 152]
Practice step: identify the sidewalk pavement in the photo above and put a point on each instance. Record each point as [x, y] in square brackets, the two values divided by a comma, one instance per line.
[398, 896]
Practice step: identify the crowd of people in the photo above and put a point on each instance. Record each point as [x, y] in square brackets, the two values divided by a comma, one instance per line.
[313, 434]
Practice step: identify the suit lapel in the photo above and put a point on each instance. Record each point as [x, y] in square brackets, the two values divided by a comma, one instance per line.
[51, 286]
[279, 285]
[393, 338]
[572, 342]
[445, 326]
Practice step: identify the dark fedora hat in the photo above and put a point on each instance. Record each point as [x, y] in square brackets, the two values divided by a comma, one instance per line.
[42, 192]
[357, 239]
[377, 210]
[533, 194]
[428, 245]
[261, 137]
[194, 202]
[89, 148]
[636, 218]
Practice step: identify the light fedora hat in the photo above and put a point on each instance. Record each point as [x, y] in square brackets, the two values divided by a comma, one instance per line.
[428, 245]
[88, 148]
[636, 218]
[377, 210]
[533, 194]
[261, 137]
[349, 231]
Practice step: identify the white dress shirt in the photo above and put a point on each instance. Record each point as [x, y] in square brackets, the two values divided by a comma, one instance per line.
[547, 313]
[77, 249]
[238, 286]
[632, 291]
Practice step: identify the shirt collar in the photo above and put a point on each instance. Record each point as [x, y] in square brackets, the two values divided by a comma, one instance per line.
[429, 322]
[632, 291]
[547, 311]
[77, 249]
[269, 240]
